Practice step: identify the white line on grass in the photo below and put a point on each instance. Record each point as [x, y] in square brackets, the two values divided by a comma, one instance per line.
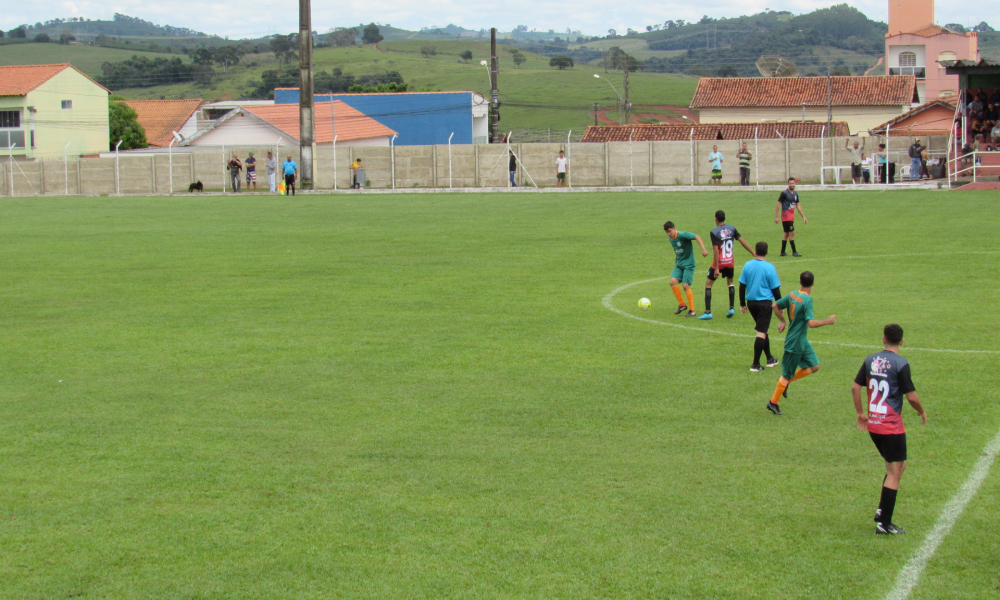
[608, 304]
[908, 577]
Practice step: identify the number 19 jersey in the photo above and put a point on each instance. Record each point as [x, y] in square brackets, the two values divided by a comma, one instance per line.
[886, 375]
[724, 236]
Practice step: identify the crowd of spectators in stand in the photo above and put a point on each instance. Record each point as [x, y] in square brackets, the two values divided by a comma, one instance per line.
[983, 118]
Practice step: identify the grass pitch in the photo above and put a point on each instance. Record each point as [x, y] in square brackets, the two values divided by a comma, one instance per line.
[422, 396]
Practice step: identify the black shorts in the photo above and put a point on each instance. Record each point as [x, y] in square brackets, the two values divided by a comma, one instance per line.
[761, 312]
[727, 272]
[891, 446]
[289, 180]
[855, 171]
[788, 226]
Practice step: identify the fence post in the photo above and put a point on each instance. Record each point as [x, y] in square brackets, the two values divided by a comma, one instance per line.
[631, 174]
[449, 158]
[607, 167]
[79, 176]
[41, 177]
[822, 155]
[476, 178]
[392, 157]
[434, 165]
[756, 152]
[152, 161]
[334, 155]
[569, 163]
[650, 153]
[225, 169]
[66, 167]
[691, 138]
[787, 165]
[117, 180]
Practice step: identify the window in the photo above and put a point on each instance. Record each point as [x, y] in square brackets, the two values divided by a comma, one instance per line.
[67, 104]
[10, 118]
[907, 59]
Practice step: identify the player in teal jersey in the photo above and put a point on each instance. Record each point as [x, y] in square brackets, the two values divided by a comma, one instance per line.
[799, 353]
[683, 273]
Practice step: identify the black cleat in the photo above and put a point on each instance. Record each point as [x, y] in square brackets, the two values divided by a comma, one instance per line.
[888, 529]
[691, 313]
[772, 362]
[796, 254]
[771, 406]
[878, 515]
[783, 254]
[680, 309]
[755, 368]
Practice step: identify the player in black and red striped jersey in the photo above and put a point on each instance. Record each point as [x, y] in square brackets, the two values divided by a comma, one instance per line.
[886, 376]
[724, 239]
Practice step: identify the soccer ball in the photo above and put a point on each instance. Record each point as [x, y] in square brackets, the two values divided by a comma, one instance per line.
[644, 303]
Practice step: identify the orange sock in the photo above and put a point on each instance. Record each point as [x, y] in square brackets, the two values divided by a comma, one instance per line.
[800, 374]
[690, 295]
[677, 292]
[778, 391]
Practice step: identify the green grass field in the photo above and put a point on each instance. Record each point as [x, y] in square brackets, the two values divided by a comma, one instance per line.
[86, 58]
[423, 396]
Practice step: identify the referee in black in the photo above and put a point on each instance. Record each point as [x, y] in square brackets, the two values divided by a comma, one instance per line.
[759, 287]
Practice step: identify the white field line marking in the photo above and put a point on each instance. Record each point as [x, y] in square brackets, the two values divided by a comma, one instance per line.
[607, 301]
[908, 577]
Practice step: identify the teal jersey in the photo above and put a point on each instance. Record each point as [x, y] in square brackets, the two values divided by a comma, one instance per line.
[682, 248]
[800, 311]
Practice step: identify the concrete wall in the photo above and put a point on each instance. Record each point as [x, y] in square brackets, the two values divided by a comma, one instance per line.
[859, 119]
[460, 166]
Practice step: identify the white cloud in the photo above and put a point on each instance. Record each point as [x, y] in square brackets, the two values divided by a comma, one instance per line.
[590, 16]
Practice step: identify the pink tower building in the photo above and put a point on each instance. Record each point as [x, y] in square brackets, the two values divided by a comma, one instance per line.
[914, 45]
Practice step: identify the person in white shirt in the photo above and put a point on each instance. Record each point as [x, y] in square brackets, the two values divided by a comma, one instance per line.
[561, 169]
[272, 166]
[866, 168]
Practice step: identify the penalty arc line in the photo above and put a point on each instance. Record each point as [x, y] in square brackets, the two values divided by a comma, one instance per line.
[910, 575]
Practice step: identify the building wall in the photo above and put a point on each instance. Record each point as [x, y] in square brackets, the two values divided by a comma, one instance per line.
[929, 50]
[910, 15]
[244, 130]
[84, 126]
[858, 118]
[935, 120]
[420, 119]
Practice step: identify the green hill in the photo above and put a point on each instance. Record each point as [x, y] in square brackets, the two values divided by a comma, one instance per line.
[86, 58]
[533, 96]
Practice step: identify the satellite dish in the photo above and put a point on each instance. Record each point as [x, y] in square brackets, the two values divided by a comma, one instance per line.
[773, 65]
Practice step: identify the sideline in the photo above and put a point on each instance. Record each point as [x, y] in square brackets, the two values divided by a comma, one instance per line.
[910, 575]
[608, 303]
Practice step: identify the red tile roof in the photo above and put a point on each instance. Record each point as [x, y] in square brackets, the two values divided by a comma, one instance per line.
[710, 131]
[350, 123]
[160, 118]
[748, 92]
[18, 80]
[949, 103]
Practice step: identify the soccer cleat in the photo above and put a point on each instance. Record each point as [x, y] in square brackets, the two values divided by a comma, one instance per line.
[772, 362]
[680, 309]
[755, 368]
[783, 254]
[691, 313]
[771, 406]
[878, 515]
[705, 317]
[888, 529]
[729, 315]
[796, 254]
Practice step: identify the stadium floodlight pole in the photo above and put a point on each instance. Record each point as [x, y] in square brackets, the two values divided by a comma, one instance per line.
[307, 123]
[596, 76]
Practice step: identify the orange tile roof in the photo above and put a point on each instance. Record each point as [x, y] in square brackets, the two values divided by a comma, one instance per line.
[747, 92]
[710, 131]
[160, 118]
[350, 123]
[949, 102]
[18, 80]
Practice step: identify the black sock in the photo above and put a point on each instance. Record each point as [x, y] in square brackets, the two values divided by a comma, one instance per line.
[758, 347]
[732, 296]
[708, 300]
[767, 347]
[793, 246]
[784, 244]
[887, 504]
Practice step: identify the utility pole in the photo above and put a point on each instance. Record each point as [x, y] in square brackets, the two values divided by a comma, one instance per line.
[494, 93]
[628, 105]
[595, 113]
[307, 123]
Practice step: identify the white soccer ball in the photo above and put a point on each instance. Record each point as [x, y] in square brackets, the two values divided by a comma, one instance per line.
[644, 303]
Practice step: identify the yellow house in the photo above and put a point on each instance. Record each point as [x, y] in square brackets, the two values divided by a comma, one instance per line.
[46, 110]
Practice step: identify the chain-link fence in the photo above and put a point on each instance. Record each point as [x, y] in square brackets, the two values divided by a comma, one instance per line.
[613, 164]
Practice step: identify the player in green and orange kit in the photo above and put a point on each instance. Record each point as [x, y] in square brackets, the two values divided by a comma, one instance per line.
[683, 273]
[799, 353]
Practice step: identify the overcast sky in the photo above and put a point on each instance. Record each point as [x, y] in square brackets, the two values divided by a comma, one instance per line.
[253, 18]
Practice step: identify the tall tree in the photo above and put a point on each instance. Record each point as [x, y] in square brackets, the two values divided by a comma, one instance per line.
[342, 37]
[124, 125]
[371, 34]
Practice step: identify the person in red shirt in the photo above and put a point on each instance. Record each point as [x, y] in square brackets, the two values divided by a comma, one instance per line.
[886, 376]
[784, 213]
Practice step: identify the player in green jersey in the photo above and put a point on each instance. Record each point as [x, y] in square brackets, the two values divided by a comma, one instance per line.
[683, 273]
[799, 353]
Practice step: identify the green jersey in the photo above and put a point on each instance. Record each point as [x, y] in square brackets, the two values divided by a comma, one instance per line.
[800, 311]
[682, 248]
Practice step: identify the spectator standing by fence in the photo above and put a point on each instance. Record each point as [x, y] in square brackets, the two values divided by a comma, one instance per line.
[715, 157]
[235, 166]
[355, 184]
[289, 167]
[251, 164]
[272, 168]
[915, 150]
[744, 157]
[856, 154]
[512, 167]
[562, 167]
[882, 165]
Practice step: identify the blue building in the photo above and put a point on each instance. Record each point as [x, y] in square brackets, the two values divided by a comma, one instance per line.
[421, 118]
